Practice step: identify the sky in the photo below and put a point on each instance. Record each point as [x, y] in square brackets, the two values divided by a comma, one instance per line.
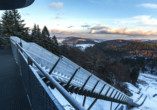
[102, 19]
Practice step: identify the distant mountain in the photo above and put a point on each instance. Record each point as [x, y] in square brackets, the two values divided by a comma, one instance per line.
[78, 40]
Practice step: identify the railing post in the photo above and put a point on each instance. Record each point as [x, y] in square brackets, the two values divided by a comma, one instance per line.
[55, 64]
[123, 98]
[72, 77]
[96, 98]
[108, 90]
[84, 100]
[118, 96]
[85, 83]
[111, 106]
[117, 106]
[111, 93]
[29, 61]
[95, 86]
[90, 93]
[115, 95]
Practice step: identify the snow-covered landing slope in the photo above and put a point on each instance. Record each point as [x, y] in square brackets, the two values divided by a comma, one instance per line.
[148, 88]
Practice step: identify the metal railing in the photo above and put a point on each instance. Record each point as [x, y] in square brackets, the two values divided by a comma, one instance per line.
[20, 55]
[72, 77]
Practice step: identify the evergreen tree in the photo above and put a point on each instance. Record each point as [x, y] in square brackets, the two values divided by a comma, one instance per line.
[12, 24]
[45, 32]
[34, 34]
[55, 48]
[46, 38]
[135, 74]
[39, 36]
[27, 36]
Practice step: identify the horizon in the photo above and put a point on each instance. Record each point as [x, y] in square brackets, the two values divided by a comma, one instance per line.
[101, 19]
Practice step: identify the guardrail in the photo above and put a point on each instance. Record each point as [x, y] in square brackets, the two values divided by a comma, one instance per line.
[34, 89]
[72, 77]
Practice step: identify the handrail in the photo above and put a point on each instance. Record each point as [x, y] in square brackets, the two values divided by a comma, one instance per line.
[124, 98]
[66, 60]
[67, 96]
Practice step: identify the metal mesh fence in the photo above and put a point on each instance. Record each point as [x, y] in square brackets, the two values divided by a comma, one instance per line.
[41, 98]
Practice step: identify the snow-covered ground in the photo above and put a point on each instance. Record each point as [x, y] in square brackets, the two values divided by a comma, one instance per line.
[84, 46]
[148, 88]
[60, 40]
[99, 105]
[147, 84]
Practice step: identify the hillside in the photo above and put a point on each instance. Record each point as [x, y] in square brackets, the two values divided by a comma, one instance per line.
[127, 47]
[71, 40]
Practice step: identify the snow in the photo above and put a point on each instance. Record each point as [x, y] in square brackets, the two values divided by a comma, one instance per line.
[60, 40]
[84, 46]
[132, 87]
[147, 83]
[99, 105]
[148, 89]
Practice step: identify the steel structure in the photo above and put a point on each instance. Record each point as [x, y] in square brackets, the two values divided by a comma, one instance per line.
[66, 76]
[14, 4]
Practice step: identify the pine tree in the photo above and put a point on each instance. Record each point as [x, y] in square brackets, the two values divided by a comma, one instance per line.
[55, 48]
[46, 38]
[12, 26]
[27, 36]
[135, 74]
[45, 32]
[34, 34]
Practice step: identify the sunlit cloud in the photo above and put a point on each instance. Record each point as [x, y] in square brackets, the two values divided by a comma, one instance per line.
[148, 5]
[125, 31]
[93, 31]
[56, 6]
[56, 31]
[98, 27]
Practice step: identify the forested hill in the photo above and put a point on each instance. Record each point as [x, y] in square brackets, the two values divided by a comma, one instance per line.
[71, 40]
[126, 47]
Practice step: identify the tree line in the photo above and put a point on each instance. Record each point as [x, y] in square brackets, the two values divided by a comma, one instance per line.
[12, 25]
[124, 48]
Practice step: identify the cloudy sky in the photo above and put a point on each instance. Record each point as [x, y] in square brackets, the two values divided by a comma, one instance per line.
[107, 19]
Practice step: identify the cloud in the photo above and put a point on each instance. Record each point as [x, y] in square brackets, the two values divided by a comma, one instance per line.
[56, 6]
[142, 21]
[86, 25]
[92, 32]
[70, 26]
[124, 31]
[98, 27]
[148, 5]
[56, 31]
[145, 20]
[142, 17]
